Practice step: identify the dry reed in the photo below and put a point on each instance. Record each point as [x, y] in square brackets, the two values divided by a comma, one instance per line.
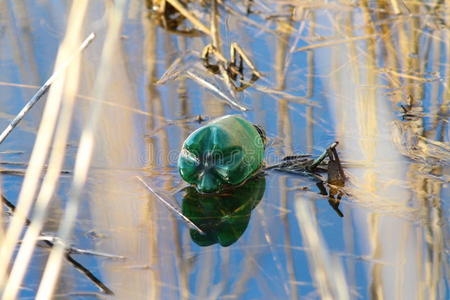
[366, 58]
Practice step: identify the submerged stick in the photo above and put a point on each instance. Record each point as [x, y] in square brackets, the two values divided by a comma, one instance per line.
[170, 206]
[77, 265]
[42, 90]
[82, 269]
[302, 163]
[318, 160]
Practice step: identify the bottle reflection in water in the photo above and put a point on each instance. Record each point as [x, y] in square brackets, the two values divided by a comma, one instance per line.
[225, 216]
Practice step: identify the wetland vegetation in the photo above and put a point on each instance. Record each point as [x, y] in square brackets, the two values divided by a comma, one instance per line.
[370, 222]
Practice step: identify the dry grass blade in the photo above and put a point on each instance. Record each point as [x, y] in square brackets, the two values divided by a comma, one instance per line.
[335, 43]
[216, 90]
[70, 85]
[179, 67]
[39, 155]
[408, 76]
[83, 97]
[399, 7]
[49, 184]
[170, 206]
[215, 32]
[189, 16]
[187, 65]
[84, 155]
[277, 94]
[42, 90]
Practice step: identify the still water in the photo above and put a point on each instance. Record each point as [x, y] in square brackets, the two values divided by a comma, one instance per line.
[373, 76]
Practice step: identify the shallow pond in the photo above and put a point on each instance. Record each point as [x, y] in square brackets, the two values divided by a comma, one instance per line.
[372, 75]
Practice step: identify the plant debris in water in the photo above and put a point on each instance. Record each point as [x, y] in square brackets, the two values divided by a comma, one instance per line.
[365, 62]
[49, 242]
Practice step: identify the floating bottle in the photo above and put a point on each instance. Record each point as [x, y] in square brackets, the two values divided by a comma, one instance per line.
[224, 153]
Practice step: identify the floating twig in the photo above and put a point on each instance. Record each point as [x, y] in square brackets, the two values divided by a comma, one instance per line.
[170, 206]
[216, 90]
[12, 207]
[74, 250]
[197, 119]
[89, 275]
[21, 172]
[43, 89]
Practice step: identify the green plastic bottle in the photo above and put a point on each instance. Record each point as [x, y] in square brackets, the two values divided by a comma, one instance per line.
[222, 217]
[223, 153]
